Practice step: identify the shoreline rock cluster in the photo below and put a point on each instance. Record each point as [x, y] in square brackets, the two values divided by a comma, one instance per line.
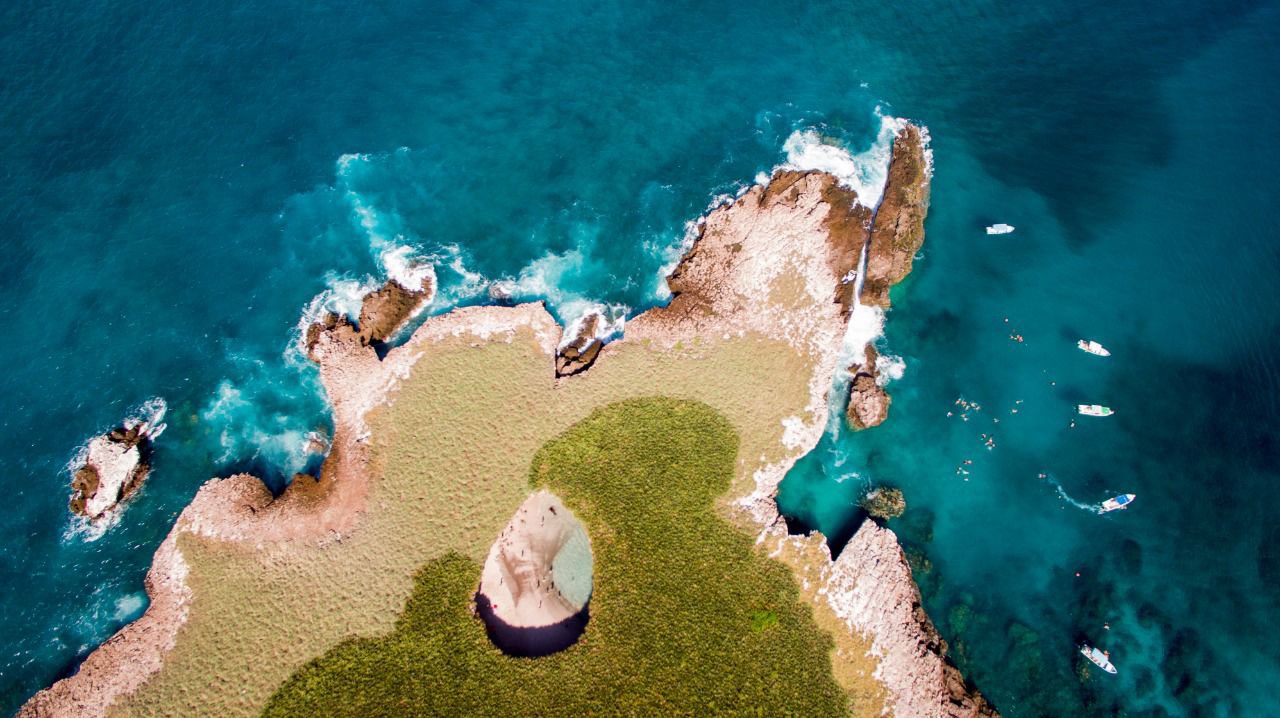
[871, 586]
[383, 312]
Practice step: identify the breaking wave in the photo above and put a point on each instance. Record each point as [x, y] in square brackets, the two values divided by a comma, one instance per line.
[864, 172]
[257, 417]
[254, 422]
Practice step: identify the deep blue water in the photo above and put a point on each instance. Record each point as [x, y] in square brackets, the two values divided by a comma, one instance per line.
[179, 183]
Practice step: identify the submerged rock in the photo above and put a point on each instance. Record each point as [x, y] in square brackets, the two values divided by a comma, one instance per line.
[582, 349]
[113, 467]
[537, 579]
[884, 502]
[898, 231]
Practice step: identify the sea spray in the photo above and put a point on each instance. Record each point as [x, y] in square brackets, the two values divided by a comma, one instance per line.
[866, 172]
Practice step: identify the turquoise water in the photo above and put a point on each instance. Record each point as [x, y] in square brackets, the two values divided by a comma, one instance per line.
[180, 184]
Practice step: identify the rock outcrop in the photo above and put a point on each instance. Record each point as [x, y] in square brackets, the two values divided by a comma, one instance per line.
[583, 346]
[114, 467]
[870, 586]
[898, 232]
[868, 401]
[884, 502]
[384, 311]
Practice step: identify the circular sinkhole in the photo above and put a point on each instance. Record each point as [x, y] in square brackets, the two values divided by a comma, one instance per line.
[536, 584]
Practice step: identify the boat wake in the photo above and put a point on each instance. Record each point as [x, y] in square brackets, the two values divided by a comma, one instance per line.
[1062, 493]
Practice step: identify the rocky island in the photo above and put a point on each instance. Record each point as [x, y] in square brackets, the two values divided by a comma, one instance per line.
[112, 467]
[665, 448]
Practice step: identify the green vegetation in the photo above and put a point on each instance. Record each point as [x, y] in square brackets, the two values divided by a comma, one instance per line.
[687, 616]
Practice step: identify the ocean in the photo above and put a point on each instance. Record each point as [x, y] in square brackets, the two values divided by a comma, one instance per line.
[183, 186]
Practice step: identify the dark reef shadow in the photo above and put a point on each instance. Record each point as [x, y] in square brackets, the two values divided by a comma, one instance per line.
[531, 642]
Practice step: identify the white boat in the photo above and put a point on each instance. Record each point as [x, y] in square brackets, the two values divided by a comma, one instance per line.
[1120, 502]
[1093, 348]
[1100, 658]
[1000, 228]
[1094, 410]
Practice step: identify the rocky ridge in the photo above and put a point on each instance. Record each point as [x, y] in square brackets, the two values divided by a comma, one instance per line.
[899, 222]
[870, 587]
[896, 234]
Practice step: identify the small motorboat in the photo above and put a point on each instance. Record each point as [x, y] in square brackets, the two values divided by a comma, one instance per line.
[1120, 502]
[1099, 657]
[1094, 410]
[1093, 348]
[1000, 228]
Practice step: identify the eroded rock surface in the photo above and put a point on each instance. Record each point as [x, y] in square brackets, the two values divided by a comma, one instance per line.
[115, 465]
[582, 347]
[868, 401]
[870, 586]
[899, 223]
[384, 311]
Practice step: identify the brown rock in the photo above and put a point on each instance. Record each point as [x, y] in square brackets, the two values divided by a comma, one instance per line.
[328, 323]
[898, 229]
[848, 229]
[581, 351]
[868, 403]
[116, 464]
[387, 309]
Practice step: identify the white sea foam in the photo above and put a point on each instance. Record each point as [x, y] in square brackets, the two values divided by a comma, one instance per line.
[864, 172]
[402, 264]
[672, 254]
[343, 298]
[129, 607]
[576, 311]
[1062, 494]
[250, 431]
[553, 277]
[389, 242]
[889, 368]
